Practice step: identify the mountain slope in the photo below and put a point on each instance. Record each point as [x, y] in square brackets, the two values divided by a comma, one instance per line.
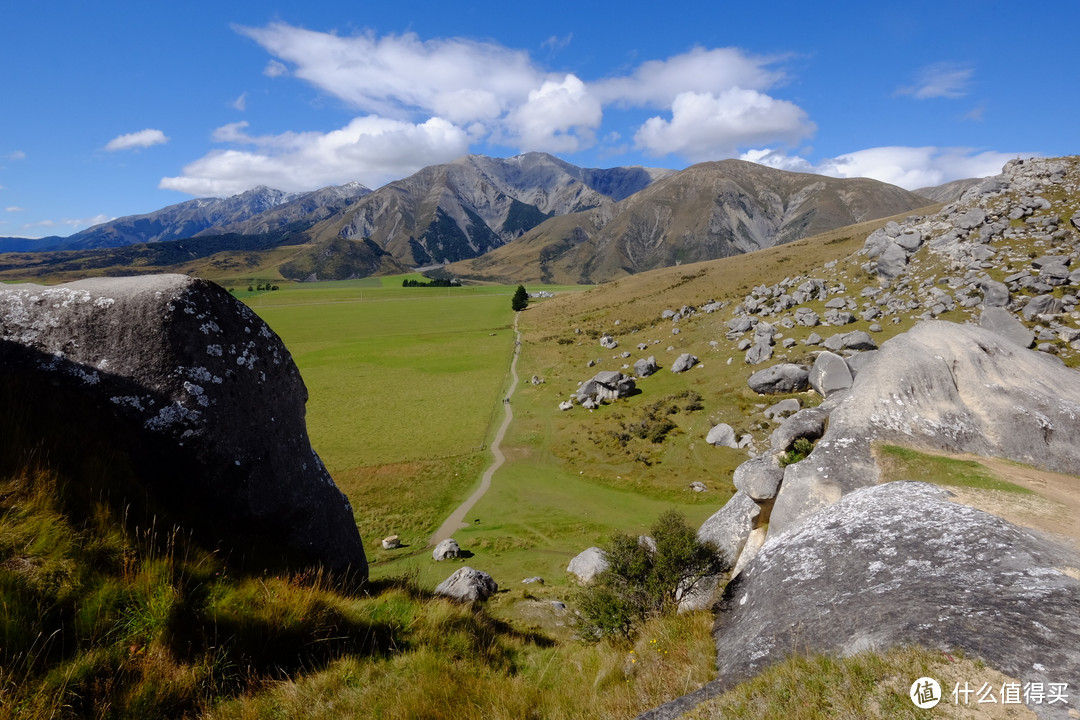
[474, 204]
[710, 210]
[259, 210]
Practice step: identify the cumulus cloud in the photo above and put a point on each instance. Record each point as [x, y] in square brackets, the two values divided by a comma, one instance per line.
[704, 126]
[457, 79]
[137, 140]
[370, 149]
[940, 80]
[657, 83]
[909, 167]
[559, 117]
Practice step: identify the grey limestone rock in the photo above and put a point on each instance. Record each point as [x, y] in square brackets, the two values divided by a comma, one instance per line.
[606, 385]
[860, 360]
[1041, 305]
[722, 435]
[829, 374]
[683, 363]
[758, 353]
[189, 392]
[940, 386]
[892, 262]
[446, 550]
[899, 562]
[729, 526]
[1004, 323]
[995, 294]
[808, 423]
[782, 408]
[759, 477]
[645, 367]
[783, 378]
[587, 564]
[468, 585]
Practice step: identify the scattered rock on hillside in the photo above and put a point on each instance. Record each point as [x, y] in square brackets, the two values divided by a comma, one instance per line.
[606, 385]
[645, 367]
[722, 435]
[778, 379]
[192, 396]
[683, 363]
[808, 423]
[468, 585]
[588, 564]
[782, 409]
[1004, 323]
[446, 550]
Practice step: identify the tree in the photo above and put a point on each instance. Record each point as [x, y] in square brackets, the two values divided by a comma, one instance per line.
[645, 579]
[520, 300]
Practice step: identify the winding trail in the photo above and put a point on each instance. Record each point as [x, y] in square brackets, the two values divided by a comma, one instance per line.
[456, 521]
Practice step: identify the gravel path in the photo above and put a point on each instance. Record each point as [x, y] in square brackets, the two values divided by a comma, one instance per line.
[456, 521]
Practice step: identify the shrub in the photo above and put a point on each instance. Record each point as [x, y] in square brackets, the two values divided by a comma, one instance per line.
[798, 452]
[643, 581]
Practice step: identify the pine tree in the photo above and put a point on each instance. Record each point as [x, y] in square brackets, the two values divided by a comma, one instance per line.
[520, 300]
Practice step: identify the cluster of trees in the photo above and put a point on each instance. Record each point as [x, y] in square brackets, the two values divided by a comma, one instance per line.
[261, 287]
[437, 282]
[644, 578]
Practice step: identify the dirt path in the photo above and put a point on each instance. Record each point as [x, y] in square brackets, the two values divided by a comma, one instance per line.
[456, 521]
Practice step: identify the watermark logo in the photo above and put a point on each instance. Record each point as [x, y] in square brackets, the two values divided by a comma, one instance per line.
[925, 693]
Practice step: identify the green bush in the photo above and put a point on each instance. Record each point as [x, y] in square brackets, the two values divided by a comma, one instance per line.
[642, 582]
[797, 453]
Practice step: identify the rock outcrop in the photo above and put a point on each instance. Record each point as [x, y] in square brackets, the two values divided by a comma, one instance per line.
[897, 564]
[941, 386]
[191, 403]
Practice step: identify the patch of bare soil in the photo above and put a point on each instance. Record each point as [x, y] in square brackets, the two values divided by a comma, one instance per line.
[1054, 509]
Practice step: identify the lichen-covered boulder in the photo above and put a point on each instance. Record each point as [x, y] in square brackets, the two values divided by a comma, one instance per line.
[897, 564]
[587, 564]
[166, 394]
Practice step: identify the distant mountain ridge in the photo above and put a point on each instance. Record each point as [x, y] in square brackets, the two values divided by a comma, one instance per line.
[475, 204]
[708, 211]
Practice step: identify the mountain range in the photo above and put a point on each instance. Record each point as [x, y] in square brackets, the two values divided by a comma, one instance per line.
[530, 217]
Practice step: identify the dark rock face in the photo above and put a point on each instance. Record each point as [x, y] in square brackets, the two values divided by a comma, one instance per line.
[899, 564]
[193, 404]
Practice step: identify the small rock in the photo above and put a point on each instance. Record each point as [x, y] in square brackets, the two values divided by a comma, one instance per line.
[446, 550]
[392, 542]
[468, 585]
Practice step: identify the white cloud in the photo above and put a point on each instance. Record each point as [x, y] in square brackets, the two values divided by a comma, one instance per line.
[909, 167]
[370, 149]
[556, 43]
[559, 117]
[136, 140]
[657, 83]
[704, 126]
[17, 155]
[13, 208]
[275, 69]
[940, 80]
[397, 75]
[240, 103]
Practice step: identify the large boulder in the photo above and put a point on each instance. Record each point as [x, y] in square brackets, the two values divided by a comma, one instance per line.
[759, 477]
[446, 550]
[644, 367]
[587, 564]
[1004, 323]
[899, 563]
[606, 385]
[940, 386]
[468, 585]
[722, 435]
[783, 378]
[829, 374]
[192, 403]
[808, 423]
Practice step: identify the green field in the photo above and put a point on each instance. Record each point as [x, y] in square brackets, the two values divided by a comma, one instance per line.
[405, 388]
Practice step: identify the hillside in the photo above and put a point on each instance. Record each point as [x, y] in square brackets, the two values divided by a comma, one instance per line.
[467, 207]
[708, 211]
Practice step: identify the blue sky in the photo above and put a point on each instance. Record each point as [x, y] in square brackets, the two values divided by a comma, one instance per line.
[117, 108]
